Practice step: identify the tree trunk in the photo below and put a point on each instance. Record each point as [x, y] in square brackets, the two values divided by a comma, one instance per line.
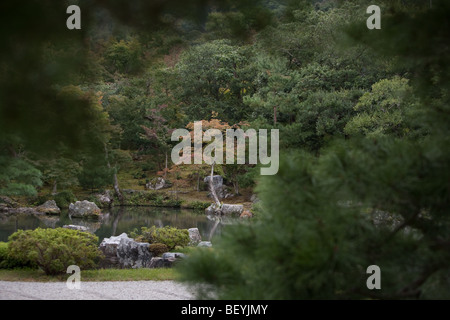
[198, 181]
[165, 170]
[211, 186]
[116, 181]
[55, 186]
[275, 115]
[236, 187]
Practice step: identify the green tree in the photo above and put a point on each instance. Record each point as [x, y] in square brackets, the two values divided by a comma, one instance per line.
[214, 76]
[383, 110]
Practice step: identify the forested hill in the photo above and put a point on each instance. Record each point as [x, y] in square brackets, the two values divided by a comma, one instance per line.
[79, 105]
[362, 109]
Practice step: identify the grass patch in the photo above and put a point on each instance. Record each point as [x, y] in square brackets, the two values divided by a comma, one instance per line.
[142, 274]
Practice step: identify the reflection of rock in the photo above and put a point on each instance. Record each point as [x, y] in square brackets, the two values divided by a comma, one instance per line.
[157, 184]
[92, 226]
[20, 211]
[194, 236]
[84, 209]
[49, 221]
[49, 207]
[74, 227]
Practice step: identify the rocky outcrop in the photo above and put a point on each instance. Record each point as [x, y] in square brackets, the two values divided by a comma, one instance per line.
[49, 207]
[157, 184]
[232, 210]
[133, 254]
[194, 236]
[109, 249]
[105, 199]
[84, 209]
[124, 252]
[7, 202]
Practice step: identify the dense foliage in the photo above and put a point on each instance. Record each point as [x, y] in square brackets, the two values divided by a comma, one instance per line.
[53, 250]
[169, 236]
[363, 117]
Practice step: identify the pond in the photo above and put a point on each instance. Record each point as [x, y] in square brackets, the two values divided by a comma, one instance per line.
[116, 221]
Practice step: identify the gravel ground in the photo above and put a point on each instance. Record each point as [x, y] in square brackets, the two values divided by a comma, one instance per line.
[113, 290]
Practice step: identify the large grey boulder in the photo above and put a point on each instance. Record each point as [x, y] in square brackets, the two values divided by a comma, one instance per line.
[109, 249]
[133, 254]
[232, 209]
[194, 236]
[84, 209]
[49, 207]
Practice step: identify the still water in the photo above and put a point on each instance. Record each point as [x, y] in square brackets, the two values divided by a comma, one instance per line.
[115, 221]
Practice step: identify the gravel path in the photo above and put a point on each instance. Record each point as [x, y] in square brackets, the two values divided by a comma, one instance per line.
[111, 290]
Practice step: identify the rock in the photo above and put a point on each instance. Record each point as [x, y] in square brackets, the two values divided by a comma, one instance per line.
[232, 209]
[7, 211]
[173, 255]
[205, 244]
[49, 207]
[158, 262]
[109, 249]
[105, 199]
[194, 236]
[246, 214]
[133, 254]
[211, 210]
[156, 184]
[225, 210]
[84, 209]
[167, 260]
[74, 227]
[8, 202]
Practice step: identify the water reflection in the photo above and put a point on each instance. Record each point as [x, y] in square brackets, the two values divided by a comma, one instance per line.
[116, 221]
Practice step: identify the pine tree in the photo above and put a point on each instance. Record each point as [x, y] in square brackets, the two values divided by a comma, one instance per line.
[380, 200]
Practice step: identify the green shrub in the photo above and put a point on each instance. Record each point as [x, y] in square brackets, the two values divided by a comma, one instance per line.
[158, 248]
[200, 205]
[53, 250]
[64, 198]
[169, 236]
[8, 262]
